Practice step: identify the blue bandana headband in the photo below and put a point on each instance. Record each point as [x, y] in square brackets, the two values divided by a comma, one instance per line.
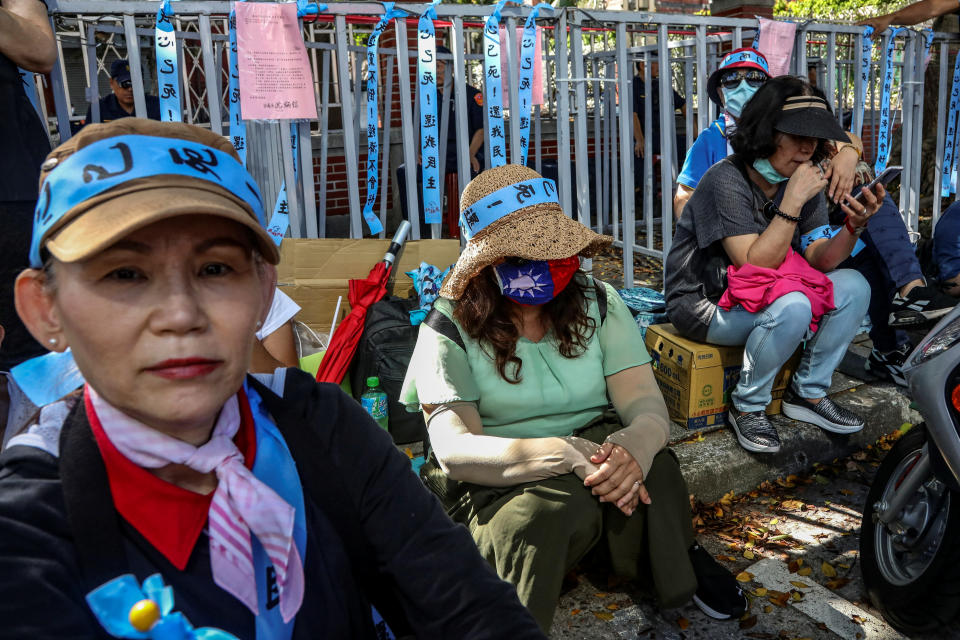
[745, 56]
[115, 161]
[505, 201]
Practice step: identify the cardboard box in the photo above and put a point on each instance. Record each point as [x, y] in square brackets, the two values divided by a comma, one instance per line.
[696, 378]
[314, 272]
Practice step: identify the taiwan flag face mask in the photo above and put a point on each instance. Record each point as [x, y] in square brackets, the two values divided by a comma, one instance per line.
[535, 282]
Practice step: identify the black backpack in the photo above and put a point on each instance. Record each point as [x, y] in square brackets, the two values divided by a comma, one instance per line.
[384, 351]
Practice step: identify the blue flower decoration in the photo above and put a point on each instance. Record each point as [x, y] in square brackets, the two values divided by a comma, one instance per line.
[113, 602]
[426, 280]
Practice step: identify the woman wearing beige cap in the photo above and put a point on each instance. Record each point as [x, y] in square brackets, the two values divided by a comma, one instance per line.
[514, 371]
[272, 506]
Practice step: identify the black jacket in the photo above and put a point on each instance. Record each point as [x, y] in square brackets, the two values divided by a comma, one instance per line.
[374, 533]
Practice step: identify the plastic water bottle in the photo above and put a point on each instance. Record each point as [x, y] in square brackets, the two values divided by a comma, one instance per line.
[374, 400]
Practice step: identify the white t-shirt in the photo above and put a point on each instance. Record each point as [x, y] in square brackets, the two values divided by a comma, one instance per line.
[282, 309]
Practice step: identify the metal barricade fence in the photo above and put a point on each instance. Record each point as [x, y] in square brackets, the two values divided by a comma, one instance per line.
[590, 60]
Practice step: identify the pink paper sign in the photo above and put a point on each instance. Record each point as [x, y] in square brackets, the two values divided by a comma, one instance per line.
[776, 44]
[537, 97]
[275, 78]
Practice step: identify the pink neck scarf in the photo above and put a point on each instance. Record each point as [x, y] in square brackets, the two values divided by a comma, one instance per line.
[241, 503]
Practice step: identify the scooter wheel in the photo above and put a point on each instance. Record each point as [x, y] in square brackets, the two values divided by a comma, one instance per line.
[911, 575]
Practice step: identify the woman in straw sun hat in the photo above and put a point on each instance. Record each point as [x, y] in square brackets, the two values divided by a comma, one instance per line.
[273, 506]
[513, 369]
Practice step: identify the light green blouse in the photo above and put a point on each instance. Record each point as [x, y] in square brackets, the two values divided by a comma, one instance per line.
[555, 396]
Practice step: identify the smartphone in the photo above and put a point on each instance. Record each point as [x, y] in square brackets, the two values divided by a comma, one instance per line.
[889, 175]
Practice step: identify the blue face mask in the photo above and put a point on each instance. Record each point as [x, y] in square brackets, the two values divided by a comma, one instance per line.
[765, 169]
[735, 99]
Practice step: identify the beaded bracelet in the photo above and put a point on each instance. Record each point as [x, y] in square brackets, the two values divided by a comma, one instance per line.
[770, 209]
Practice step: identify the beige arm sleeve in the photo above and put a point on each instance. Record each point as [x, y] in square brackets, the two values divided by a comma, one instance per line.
[638, 402]
[464, 453]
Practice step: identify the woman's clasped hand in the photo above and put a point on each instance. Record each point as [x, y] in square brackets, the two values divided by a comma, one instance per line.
[618, 480]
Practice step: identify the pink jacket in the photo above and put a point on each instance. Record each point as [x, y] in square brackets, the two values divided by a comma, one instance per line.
[754, 288]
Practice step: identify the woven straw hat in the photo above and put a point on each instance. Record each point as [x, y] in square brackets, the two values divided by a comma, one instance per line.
[538, 232]
[96, 223]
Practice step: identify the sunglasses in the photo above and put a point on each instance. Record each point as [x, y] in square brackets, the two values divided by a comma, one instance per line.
[126, 84]
[732, 79]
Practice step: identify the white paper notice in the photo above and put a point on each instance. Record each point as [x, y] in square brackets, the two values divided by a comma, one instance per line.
[275, 78]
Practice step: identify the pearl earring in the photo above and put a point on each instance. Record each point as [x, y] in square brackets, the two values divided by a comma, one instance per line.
[259, 324]
[53, 342]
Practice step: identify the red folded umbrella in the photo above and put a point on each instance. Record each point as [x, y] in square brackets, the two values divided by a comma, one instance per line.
[363, 293]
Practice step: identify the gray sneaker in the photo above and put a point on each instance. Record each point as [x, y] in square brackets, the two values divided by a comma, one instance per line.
[826, 414]
[754, 431]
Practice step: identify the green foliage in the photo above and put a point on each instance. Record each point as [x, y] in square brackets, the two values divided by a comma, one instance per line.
[835, 10]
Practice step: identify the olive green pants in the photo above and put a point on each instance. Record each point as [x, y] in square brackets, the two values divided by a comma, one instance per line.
[534, 533]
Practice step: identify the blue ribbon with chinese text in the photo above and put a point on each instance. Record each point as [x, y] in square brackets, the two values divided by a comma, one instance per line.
[525, 88]
[865, 56]
[429, 143]
[280, 219]
[948, 183]
[238, 128]
[883, 136]
[493, 85]
[373, 117]
[167, 66]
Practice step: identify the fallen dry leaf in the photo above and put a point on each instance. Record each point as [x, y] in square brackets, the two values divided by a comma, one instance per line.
[603, 615]
[837, 583]
[749, 555]
[792, 505]
[800, 585]
[846, 492]
[744, 576]
[683, 623]
[748, 622]
[574, 612]
[795, 564]
[600, 595]
[796, 595]
[726, 558]
[805, 571]
[761, 592]
[827, 569]
[613, 607]
[857, 619]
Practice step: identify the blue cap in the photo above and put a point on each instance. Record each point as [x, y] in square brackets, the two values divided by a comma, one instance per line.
[120, 70]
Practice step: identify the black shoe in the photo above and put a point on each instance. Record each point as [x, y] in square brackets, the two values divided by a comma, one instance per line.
[889, 365]
[754, 431]
[826, 414]
[718, 594]
[919, 306]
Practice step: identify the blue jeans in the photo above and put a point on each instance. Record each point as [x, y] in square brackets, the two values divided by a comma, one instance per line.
[772, 335]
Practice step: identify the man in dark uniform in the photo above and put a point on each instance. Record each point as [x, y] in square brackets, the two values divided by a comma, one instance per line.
[119, 104]
[639, 105]
[474, 121]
